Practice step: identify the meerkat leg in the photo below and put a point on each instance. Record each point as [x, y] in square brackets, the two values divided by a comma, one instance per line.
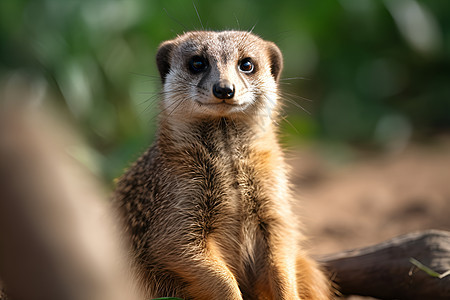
[277, 282]
[213, 280]
[206, 275]
[312, 283]
[283, 278]
[296, 276]
[277, 270]
[284, 282]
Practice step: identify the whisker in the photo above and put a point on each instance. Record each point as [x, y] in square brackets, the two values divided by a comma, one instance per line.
[290, 124]
[297, 105]
[253, 27]
[145, 75]
[174, 105]
[294, 78]
[173, 19]
[237, 21]
[201, 23]
[286, 94]
[165, 109]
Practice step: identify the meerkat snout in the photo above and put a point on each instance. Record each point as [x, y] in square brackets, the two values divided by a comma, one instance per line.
[223, 89]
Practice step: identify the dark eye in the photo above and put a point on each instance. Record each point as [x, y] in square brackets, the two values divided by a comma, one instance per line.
[246, 65]
[197, 64]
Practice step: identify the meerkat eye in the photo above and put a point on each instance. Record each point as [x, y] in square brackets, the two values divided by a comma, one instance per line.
[198, 64]
[246, 65]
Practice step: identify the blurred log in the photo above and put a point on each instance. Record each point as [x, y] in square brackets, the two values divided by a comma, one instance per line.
[388, 270]
[58, 239]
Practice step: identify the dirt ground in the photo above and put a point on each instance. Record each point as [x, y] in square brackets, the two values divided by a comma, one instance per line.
[372, 198]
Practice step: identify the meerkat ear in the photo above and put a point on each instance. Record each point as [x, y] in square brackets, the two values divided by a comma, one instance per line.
[276, 60]
[163, 58]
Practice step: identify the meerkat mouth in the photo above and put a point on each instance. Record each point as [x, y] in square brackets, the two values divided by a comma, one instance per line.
[222, 108]
[221, 103]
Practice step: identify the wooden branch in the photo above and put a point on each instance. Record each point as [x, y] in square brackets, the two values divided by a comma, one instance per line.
[386, 271]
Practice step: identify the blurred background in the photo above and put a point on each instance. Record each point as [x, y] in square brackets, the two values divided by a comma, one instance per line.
[364, 82]
[363, 73]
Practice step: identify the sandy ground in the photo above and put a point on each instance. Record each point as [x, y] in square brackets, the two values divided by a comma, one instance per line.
[373, 198]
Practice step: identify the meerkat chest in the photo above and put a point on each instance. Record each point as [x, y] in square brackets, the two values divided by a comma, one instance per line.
[224, 160]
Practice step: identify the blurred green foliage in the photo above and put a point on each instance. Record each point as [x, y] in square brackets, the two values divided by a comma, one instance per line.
[377, 72]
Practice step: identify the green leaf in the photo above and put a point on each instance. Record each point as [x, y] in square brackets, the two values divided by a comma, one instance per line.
[428, 270]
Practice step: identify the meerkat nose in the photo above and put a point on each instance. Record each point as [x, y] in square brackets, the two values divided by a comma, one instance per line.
[223, 89]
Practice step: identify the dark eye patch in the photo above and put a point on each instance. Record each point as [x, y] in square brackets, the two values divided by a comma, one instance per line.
[197, 64]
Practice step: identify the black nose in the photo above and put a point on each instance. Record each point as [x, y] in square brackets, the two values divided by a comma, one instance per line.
[223, 89]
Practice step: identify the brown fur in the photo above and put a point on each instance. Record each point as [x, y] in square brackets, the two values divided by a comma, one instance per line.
[207, 207]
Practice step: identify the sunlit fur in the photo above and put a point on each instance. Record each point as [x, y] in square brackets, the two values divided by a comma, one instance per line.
[207, 207]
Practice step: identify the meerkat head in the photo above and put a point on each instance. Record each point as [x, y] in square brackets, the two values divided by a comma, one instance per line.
[219, 74]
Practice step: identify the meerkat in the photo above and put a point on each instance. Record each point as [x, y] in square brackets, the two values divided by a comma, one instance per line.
[207, 207]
